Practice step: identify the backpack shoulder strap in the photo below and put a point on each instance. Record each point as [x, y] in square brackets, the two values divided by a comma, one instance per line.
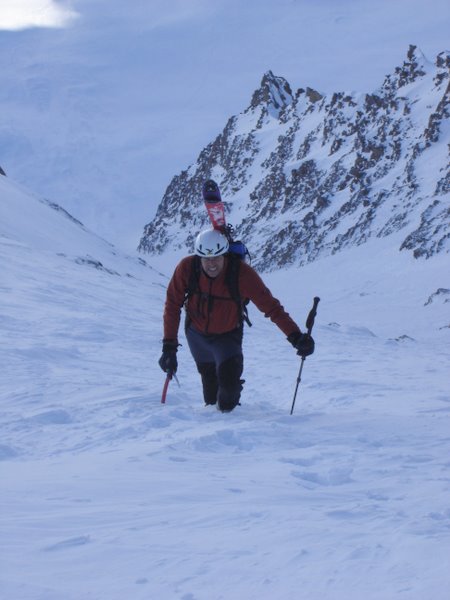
[232, 281]
[232, 277]
[193, 287]
[194, 277]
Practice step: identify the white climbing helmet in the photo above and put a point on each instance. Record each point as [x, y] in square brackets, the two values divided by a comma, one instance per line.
[211, 243]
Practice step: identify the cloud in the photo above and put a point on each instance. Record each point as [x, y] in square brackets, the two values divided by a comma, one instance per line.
[146, 15]
[24, 14]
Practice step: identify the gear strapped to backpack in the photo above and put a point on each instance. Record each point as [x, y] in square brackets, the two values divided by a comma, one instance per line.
[236, 254]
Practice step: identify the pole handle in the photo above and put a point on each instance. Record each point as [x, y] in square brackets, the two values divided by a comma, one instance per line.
[312, 315]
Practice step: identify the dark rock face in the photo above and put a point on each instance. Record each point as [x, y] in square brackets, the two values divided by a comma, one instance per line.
[305, 175]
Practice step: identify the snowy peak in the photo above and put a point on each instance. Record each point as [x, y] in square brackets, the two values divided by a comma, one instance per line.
[413, 68]
[274, 94]
[311, 175]
[443, 60]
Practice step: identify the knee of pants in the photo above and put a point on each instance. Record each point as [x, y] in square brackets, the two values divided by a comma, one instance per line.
[207, 370]
[230, 371]
[230, 383]
[209, 381]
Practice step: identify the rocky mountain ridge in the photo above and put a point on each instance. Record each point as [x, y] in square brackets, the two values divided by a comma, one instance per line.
[309, 174]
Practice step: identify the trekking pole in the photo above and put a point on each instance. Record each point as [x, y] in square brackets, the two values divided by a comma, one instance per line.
[166, 385]
[309, 326]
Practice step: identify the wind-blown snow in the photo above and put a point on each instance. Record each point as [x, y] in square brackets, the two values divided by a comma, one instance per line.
[108, 494]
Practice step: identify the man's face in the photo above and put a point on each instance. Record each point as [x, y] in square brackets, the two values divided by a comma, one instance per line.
[213, 265]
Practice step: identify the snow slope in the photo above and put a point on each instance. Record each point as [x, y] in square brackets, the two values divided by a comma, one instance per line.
[107, 494]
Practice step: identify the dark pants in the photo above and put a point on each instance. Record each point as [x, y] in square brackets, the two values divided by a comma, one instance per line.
[220, 363]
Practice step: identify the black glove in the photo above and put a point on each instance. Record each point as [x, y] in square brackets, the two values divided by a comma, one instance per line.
[168, 361]
[302, 342]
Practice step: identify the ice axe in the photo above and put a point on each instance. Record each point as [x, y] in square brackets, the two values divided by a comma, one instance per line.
[309, 325]
[166, 385]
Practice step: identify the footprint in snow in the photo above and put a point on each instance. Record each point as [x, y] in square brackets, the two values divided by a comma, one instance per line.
[52, 417]
[69, 543]
[334, 477]
[6, 452]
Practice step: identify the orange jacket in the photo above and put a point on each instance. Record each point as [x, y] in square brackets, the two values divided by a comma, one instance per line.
[213, 310]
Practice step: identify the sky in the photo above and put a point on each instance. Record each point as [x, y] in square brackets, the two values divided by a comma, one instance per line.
[23, 14]
[103, 102]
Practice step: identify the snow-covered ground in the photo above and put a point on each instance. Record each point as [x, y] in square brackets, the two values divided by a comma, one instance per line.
[106, 494]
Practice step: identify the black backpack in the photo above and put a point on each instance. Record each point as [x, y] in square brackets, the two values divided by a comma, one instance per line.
[237, 253]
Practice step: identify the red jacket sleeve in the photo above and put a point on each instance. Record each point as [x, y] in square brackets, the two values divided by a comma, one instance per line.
[175, 297]
[252, 286]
